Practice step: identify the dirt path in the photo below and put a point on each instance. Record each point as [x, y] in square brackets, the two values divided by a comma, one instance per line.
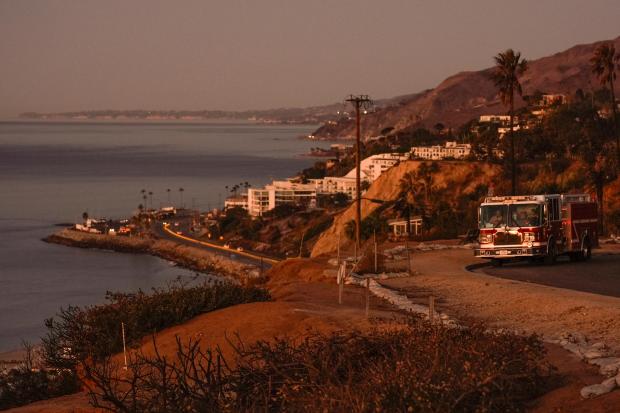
[533, 308]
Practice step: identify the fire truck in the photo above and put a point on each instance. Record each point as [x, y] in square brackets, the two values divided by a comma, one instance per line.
[538, 227]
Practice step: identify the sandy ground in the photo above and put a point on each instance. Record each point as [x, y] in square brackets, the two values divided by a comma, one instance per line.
[533, 308]
[305, 300]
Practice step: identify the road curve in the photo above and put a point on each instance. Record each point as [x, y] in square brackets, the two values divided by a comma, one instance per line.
[252, 258]
[600, 275]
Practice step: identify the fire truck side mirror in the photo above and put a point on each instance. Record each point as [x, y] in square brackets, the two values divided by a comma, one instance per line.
[545, 215]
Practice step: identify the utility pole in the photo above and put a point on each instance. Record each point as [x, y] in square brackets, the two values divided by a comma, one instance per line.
[358, 102]
[124, 345]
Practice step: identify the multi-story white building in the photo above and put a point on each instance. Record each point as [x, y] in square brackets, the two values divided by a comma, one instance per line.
[436, 152]
[335, 184]
[236, 201]
[373, 166]
[258, 201]
[261, 200]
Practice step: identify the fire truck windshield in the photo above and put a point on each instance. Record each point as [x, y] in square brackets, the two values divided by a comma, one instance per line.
[493, 216]
[525, 215]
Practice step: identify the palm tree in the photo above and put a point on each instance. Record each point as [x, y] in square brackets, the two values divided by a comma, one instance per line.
[425, 175]
[603, 63]
[85, 217]
[181, 190]
[168, 191]
[406, 202]
[508, 67]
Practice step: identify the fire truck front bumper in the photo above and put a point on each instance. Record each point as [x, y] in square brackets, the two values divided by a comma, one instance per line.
[510, 252]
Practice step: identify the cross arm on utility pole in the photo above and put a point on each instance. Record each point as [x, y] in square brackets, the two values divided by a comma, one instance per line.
[358, 102]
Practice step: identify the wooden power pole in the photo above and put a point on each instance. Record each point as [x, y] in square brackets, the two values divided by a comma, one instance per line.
[361, 101]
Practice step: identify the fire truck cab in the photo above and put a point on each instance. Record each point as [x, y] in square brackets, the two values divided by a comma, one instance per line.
[537, 227]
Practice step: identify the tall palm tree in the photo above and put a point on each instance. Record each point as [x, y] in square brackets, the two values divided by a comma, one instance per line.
[410, 188]
[168, 191]
[181, 190]
[508, 67]
[425, 175]
[604, 63]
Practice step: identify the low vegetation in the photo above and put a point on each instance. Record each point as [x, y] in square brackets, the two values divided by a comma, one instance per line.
[417, 367]
[27, 384]
[95, 332]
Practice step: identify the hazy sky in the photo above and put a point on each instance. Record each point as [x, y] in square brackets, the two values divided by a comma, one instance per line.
[207, 54]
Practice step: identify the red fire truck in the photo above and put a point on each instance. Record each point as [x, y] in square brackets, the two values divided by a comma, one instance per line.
[537, 227]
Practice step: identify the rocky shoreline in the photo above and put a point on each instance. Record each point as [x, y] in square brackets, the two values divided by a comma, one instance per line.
[192, 258]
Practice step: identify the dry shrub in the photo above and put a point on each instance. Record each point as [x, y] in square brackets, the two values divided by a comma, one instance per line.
[418, 368]
[95, 331]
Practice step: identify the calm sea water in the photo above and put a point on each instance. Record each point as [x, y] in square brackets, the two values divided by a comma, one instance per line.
[52, 172]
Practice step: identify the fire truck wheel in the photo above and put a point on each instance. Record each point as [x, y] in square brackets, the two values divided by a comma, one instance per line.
[551, 256]
[586, 250]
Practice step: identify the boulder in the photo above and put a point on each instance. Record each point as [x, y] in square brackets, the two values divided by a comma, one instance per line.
[574, 348]
[609, 366]
[593, 354]
[598, 389]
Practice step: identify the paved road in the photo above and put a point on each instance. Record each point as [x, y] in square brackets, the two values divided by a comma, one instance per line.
[245, 257]
[600, 275]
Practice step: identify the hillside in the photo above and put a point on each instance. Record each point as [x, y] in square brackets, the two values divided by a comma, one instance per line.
[462, 185]
[454, 178]
[467, 95]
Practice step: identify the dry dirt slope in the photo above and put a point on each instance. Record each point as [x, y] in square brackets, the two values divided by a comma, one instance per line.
[459, 177]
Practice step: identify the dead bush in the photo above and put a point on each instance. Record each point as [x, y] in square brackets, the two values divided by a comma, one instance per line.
[418, 367]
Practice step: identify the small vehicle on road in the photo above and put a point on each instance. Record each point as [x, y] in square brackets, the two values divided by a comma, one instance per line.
[538, 227]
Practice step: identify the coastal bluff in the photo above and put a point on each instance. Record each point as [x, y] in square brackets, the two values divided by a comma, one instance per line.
[453, 179]
[192, 258]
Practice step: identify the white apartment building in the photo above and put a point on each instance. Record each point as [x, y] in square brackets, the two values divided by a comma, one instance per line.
[436, 152]
[373, 166]
[261, 200]
[335, 184]
[236, 201]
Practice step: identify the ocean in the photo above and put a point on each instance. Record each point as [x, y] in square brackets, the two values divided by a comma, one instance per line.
[52, 172]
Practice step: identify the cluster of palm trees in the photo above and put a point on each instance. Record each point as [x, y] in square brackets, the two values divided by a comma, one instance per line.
[147, 198]
[233, 189]
[510, 66]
